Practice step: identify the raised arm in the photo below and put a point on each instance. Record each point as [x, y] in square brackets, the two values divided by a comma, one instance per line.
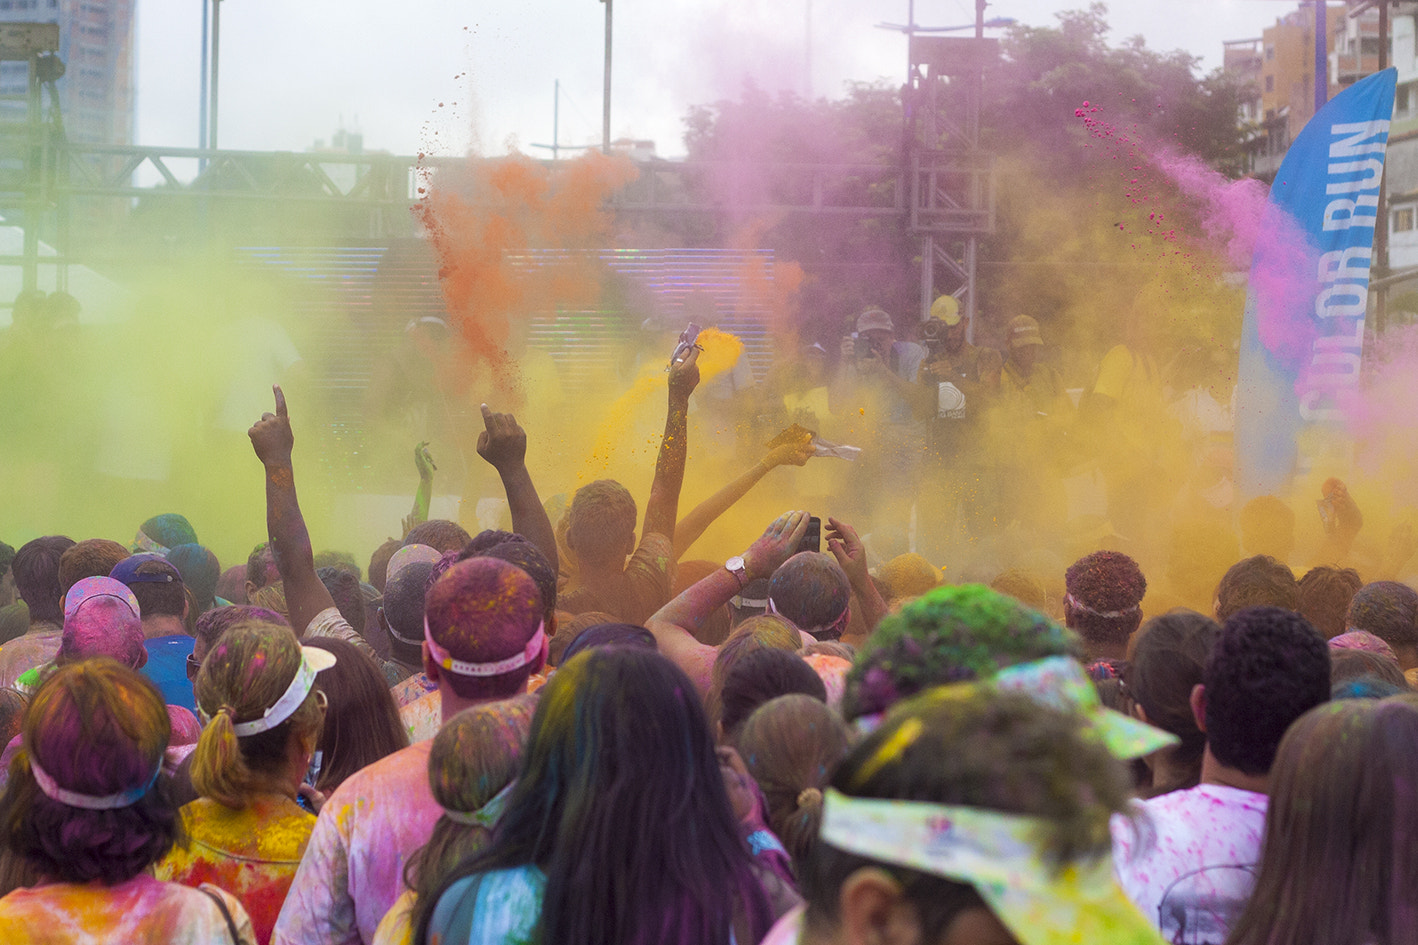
[851, 555]
[504, 445]
[693, 525]
[273, 440]
[423, 497]
[663, 506]
[673, 623]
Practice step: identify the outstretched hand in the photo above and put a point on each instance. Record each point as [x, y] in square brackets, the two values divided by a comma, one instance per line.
[684, 376]
[791, 454]
[271, 436]
[424, 461]
[776, 545]
[847, 548]
[1348, 519]
[503, 443]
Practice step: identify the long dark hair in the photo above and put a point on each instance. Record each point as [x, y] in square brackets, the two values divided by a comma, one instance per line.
[1168, 661]
[1338, 865]
[362, 721]
[620, 802]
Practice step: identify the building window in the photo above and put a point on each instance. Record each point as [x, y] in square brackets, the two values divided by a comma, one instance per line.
[1403, 218]
[1270, 83]
[1269, 52]
[1401, 98]
[1369, 46]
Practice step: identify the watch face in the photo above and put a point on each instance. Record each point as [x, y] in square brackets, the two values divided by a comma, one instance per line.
[735, 563]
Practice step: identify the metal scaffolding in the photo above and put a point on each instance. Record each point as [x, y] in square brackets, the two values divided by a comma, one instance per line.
[952, 177]
[28, 137]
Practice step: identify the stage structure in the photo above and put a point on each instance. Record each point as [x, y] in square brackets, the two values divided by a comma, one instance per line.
[952, 177]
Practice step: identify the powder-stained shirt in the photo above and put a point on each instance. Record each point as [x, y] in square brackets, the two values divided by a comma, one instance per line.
[500, 907]
[142, 911]
[251, 853]
[27, 651]
[643, 588]
[423, 717]
[354, 867]
[1188, 860]
[412, 688]
[329, 623]
[353, 871]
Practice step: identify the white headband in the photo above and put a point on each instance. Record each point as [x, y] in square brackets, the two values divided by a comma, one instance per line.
[53, 791]
[284, 707]
[1109, 614]
[486, 816]
[443, 658]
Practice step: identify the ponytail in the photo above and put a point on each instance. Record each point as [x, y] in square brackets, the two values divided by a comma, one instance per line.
[800, 827]
[218, 769]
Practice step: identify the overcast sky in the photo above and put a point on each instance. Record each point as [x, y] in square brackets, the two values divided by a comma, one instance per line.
[449, 75]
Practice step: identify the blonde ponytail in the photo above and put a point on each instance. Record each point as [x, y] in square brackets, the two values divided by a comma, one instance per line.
[218, 769]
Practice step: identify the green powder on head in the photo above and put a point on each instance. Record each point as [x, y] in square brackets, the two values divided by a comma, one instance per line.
[951, 634]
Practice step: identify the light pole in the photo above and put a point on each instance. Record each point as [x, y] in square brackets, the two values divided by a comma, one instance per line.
[606, 94]
[202, 110]
[216, 65]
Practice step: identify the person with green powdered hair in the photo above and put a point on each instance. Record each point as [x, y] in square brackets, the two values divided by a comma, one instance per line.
[971, 816]
[970, 633]
[949, 634]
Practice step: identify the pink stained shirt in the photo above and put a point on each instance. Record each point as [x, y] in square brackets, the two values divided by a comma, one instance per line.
[1188, 858]
[353, 869]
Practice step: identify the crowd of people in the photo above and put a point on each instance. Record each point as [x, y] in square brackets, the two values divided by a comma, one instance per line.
[569, 732]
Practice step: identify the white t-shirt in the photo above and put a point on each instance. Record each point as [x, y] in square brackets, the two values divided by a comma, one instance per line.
[1189, 859]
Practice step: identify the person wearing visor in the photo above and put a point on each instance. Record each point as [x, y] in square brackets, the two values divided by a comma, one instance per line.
[975, 814]
[88, 812]
[248, 830]
[101, 618]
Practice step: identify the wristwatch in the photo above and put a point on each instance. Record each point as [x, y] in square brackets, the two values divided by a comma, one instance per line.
[738, 569]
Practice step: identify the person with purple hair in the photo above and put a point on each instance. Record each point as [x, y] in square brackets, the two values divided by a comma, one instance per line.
[484, 637]
[88, 813]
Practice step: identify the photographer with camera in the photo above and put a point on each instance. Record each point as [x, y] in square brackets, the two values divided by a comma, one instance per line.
[876, 391]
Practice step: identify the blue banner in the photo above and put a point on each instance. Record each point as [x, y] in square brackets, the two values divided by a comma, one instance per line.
[1303, 335]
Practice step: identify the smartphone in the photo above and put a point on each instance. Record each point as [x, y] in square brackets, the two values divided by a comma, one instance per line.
[687, 339]
[312, 773]
[812, 538]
